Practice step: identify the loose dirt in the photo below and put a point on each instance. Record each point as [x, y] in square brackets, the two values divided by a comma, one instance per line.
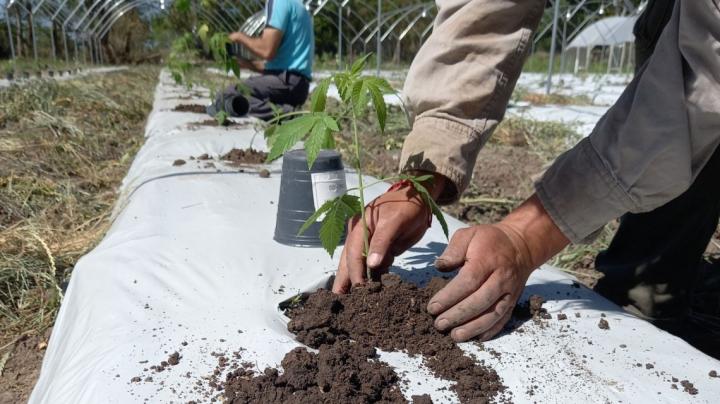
[21, 368]
[196, 108]
[245, 156]
[389, 315]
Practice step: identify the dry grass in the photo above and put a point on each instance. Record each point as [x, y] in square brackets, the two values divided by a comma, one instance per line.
[64, 148]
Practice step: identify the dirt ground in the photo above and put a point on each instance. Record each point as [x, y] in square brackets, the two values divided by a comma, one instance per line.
[21, 368]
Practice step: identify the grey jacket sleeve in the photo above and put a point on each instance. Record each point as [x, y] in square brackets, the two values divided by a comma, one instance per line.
[652, 143]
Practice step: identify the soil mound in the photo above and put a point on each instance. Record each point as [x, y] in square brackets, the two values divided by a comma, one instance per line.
[389, 315]
[196, 108]
[245, 156]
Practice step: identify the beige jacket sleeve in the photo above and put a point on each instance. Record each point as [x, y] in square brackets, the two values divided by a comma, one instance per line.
[460, 82]
[645, 151]
[650, 146]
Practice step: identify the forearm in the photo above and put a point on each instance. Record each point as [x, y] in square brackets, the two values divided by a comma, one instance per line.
[254, 65]
[460, 82]
[259, 46]
[654, 141]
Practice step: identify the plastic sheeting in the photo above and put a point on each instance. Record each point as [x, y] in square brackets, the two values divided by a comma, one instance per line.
[190, 258]
[606, 32]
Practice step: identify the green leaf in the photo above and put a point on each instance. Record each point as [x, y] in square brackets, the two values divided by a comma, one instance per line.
[434, 208]
[379, 104]
[315, 142]
[333, 224]
[319, 96]
[288, 134]
[203, 33]
[331, 123]
[359, 65]
[358, 96]
[343, 84]
[316, 215]
[221, 117]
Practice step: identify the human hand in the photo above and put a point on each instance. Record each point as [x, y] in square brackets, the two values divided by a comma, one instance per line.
[235, 36]
[396, 220]
[495, 262]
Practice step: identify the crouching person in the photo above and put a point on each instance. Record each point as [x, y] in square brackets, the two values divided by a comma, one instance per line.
[285, 48]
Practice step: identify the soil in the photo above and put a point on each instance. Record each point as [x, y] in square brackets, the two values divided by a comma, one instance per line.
[229, 123]
[389, 315]
[21, 371]
[343, 372]
[196, 108]
[244, 156]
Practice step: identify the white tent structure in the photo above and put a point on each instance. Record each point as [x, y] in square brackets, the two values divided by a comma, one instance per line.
[612, 33]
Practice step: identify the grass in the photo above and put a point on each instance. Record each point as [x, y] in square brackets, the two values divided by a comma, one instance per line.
[547, 139]
[31, 65]
[64, 148]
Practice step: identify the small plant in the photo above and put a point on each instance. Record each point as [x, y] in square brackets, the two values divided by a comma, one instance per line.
[185, 51]
[318, 129]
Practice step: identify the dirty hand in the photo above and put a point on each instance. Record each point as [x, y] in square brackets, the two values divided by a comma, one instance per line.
[495, 262]
[396, 221]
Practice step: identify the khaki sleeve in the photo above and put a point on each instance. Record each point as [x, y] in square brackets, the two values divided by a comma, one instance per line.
[650, 146]
[460, 82]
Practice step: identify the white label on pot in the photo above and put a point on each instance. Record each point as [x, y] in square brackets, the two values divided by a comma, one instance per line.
[327, 185]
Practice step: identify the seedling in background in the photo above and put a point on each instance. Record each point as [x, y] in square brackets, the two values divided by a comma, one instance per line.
[184, 50]
[318, 129]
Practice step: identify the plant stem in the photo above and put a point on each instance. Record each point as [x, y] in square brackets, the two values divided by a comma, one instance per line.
[361, 189]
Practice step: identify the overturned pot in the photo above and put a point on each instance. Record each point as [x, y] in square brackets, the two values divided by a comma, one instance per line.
[303, 191]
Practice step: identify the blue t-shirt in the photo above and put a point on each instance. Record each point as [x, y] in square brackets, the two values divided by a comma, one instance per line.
[297, 46]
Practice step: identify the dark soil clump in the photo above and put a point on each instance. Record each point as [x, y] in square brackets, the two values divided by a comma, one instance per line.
[245, 156]
[603, 324]
[196, 108]
[392, 316]
[340, 373]
[179, 162]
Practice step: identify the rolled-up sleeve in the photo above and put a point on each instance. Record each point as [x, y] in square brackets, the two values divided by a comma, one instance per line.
[652, 143]
[460, 82]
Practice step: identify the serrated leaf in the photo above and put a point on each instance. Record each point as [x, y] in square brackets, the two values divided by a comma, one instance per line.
[288, 134]
[359, 64]
[315, 216]
[315, 142]
[379, 104]
[434, 208]
[319, 96]
[333, 225]
[331, 123]
[358, 96]
[342, 82]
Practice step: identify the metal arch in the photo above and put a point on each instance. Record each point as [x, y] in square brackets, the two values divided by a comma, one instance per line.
[32, 23]
[422, 14]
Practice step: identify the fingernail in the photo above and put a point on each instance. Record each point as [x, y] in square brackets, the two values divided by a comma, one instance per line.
[442, 324]
[460, 335]
[440, 261]
[434, 308]
[374, 260]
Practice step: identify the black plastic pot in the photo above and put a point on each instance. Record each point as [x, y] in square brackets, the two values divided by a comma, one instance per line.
[51, 73]
[10, 75]
[302, 191]
[25, 75]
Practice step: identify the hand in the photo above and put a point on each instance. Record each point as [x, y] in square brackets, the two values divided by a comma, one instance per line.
[235, 36]
[495, 262]
[396, 221]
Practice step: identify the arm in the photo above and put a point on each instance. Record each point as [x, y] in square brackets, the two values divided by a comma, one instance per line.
[254, 65]
[265, 46]
[644, 152]
[460, 82]
[650, 146]
[454, 90]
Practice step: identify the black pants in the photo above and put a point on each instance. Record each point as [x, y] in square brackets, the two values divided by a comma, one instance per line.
[273, 93]
[653, 260]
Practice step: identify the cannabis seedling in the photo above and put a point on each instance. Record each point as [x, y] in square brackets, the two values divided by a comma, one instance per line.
[184, 50]
[318, 128]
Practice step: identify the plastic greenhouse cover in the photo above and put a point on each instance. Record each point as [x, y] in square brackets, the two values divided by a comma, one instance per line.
[190, 257]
